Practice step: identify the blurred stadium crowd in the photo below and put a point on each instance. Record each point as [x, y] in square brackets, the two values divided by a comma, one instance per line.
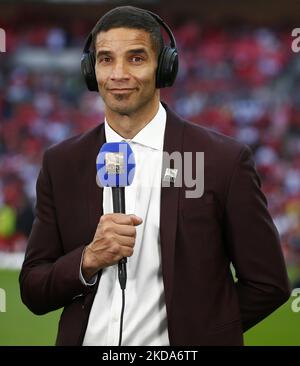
[241, 81]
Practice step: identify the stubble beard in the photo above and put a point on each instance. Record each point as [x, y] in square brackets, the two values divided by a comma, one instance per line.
[126, 109]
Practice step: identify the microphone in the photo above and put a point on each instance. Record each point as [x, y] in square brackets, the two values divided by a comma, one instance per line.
[115, 168]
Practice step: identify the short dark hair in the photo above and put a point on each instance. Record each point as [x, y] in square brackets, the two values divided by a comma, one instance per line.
[130, 17]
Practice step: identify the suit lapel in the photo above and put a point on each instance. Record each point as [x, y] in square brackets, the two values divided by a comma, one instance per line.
[94, 192]
[169, 201]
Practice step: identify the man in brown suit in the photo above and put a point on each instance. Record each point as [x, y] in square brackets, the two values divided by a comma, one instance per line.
[74, 245]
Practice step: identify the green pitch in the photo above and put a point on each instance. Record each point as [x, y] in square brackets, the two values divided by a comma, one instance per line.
[18, 326]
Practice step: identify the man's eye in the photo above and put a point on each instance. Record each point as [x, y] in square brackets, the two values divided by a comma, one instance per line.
[136, 59]
[105, 59]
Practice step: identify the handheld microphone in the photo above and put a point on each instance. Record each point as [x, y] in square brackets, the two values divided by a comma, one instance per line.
[115, 168]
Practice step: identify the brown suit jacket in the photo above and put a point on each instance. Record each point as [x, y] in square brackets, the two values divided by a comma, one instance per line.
[200, 237]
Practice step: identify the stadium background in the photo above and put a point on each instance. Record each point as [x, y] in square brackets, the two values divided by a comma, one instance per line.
[237, 75]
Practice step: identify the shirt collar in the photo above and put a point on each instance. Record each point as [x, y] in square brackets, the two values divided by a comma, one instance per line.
[152, 135]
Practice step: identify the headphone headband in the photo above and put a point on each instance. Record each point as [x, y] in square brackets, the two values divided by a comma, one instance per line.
[165, 26]
[88, 43]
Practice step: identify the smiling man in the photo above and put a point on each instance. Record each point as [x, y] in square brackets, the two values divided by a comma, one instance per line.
[180, 289]
[126, 63]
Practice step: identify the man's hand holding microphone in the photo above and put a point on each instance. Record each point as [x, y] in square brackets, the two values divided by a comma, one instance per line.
[114, 239]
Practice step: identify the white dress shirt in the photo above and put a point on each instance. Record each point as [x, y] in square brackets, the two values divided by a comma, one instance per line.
[145, 317]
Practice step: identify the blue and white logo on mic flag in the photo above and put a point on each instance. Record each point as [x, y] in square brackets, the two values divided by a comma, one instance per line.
[115, 164]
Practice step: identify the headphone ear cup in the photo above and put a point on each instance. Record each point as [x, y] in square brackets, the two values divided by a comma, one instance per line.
[167, 67]
[88, 70]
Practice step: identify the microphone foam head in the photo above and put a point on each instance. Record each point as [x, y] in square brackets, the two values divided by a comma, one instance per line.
[115, 164]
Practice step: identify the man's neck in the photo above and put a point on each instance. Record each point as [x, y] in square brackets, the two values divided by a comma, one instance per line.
[129, 126]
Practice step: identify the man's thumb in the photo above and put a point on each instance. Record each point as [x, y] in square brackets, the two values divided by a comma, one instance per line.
[136, 220]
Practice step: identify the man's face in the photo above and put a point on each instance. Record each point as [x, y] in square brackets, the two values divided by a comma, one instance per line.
[125, 69]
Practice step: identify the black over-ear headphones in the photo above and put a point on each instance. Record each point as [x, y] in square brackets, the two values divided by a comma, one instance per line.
[167, 66]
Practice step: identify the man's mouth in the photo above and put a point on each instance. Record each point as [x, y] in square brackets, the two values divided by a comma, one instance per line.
[121, 90]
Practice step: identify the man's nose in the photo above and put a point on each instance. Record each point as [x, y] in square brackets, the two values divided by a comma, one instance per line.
[119, 71]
